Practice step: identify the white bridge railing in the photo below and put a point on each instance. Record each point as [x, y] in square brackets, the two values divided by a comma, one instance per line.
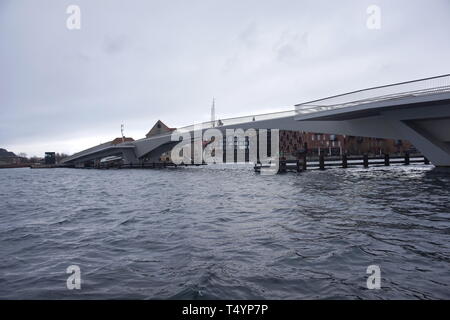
[415, 88]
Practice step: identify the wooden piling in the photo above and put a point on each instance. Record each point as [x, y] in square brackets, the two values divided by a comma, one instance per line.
[387, 161]
[322, 162]
[406, 158]
[426, 161]
[297, 165]
[304, 165]
[282, 166]
[366, 160]
[344, 161]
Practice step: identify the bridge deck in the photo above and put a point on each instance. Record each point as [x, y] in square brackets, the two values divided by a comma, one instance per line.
[399, 94]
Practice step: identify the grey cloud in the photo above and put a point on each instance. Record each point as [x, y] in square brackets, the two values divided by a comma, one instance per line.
[113, 45]
[291, 46]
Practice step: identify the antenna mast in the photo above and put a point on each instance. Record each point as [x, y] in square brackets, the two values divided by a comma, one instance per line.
[213, 112]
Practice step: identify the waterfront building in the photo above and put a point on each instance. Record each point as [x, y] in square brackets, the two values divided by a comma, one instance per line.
[159, 128]
[50, 158]
[293, 143]
[8, 157]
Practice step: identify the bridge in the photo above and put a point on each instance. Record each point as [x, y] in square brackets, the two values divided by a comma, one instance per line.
[417, 111]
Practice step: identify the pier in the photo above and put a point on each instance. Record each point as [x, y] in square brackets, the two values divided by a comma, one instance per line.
[345, 161]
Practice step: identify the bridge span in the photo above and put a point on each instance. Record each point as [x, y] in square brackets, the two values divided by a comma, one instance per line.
[417, 111]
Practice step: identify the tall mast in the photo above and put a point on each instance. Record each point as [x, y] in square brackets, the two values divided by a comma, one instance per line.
[213, 112]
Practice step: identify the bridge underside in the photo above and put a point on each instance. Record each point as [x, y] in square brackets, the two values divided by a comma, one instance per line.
[127, 155]
[425, 125]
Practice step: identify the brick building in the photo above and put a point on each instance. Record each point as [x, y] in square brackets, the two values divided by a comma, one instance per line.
[294, 142]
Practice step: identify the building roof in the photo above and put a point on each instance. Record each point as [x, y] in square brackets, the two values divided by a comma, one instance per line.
[120, 140]
[5, 153]
[159, 128]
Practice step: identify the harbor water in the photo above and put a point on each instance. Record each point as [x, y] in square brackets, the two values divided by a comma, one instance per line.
[225, 232]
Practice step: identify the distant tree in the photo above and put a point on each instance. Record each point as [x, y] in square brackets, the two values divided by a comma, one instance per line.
[23, 155]
[35, 159]
[60, 156]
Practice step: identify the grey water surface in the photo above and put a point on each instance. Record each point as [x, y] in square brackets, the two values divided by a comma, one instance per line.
[224, 232]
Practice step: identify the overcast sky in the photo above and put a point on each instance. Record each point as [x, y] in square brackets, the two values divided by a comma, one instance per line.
[134, 62]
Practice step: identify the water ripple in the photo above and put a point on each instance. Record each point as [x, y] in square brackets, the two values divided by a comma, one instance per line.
[216, 233]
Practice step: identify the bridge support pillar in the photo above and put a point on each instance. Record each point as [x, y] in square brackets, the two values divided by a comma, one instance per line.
[433, 148]
[129, 157]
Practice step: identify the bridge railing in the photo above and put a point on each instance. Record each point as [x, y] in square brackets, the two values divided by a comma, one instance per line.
[237, 120]
[415, 88]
